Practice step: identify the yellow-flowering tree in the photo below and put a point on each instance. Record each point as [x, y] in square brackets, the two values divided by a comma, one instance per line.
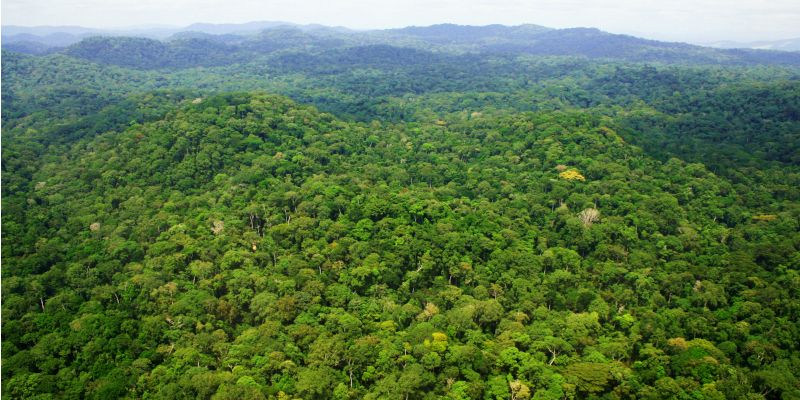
[572, 175]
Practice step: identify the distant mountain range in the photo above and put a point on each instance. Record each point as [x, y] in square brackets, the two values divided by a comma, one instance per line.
[220, 44]
[783, 45]
[62, 36]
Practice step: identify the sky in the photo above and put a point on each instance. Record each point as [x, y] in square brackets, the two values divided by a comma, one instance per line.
[697, 21]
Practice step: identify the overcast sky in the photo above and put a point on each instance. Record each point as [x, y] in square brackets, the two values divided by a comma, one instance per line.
[685, 20]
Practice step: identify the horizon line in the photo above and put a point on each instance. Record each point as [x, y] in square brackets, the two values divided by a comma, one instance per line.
[156, 26]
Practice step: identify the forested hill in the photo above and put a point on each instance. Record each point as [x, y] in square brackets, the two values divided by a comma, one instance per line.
[747, 115]
[444, 212]
[208, 48]
[242, 246]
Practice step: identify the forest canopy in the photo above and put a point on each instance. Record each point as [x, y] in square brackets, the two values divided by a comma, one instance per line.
[309, 217]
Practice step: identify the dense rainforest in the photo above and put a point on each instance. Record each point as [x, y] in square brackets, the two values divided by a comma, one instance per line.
[441, 212]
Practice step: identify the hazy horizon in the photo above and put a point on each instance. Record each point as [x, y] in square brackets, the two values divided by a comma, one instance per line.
[645, 35]
[680, 20]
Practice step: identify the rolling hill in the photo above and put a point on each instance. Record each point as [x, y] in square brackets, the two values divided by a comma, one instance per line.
[266, 37]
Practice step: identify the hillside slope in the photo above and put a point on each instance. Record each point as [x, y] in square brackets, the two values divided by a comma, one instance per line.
[243, 246]
[231, 48]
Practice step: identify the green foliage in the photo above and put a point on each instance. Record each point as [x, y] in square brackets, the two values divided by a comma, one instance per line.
[184, 244]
